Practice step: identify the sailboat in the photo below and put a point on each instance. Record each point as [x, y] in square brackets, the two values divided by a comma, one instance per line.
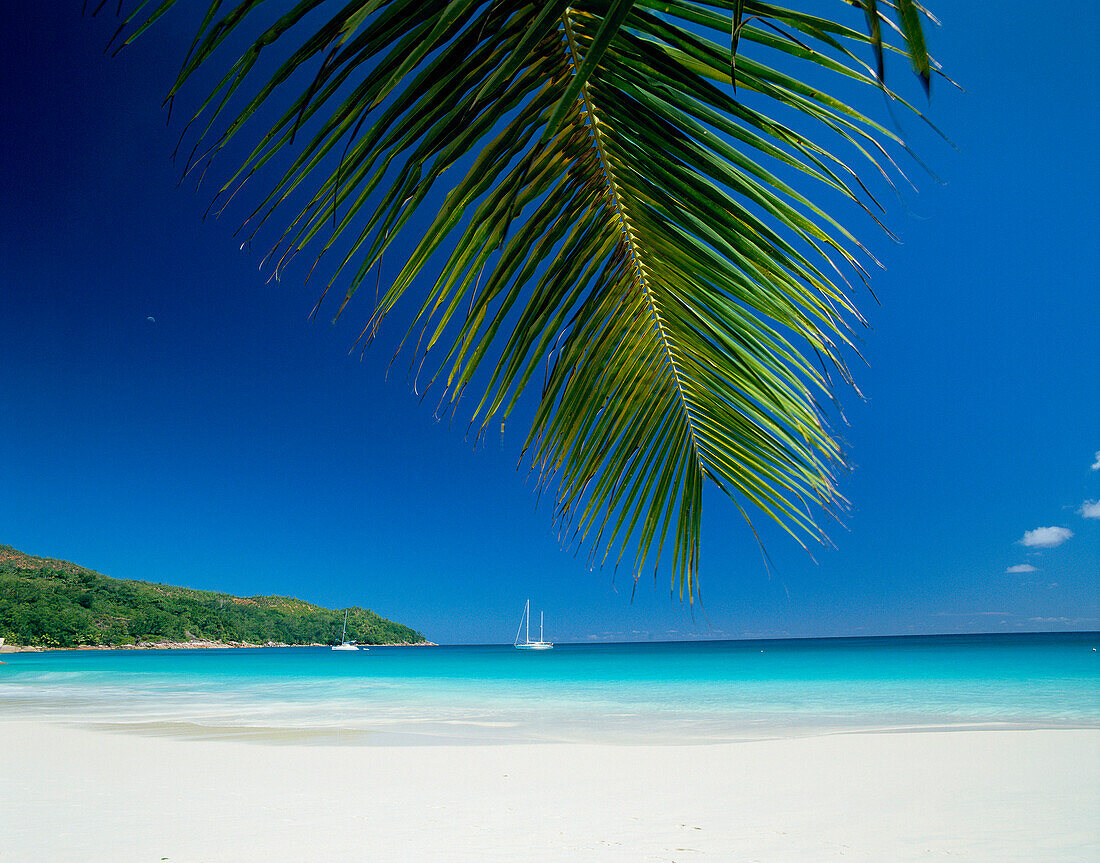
[528, 644]
[346, 645]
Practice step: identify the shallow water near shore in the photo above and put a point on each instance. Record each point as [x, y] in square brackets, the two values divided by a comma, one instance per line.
[682, 692]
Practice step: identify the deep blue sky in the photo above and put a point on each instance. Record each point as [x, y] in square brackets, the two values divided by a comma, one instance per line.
[235, 445]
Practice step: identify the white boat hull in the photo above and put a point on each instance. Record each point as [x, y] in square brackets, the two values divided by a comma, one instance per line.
[344, 644]
[527, 643]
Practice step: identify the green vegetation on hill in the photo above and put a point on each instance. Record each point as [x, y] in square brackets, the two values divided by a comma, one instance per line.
[55, 603]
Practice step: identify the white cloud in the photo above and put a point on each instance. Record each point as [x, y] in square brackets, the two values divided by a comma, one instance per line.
[1096, 464]
[1046, 537]
[1071, 620]
[1090, 509]
[1022, 567]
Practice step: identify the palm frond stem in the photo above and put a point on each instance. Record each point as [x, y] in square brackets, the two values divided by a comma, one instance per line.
[631, 241]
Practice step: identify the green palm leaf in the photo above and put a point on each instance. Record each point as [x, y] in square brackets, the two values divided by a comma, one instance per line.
[614, 226]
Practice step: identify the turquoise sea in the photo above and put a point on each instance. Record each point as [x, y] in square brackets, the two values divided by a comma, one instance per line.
[683, 692]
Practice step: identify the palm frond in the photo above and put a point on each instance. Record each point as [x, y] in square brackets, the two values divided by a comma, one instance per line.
[618, 232]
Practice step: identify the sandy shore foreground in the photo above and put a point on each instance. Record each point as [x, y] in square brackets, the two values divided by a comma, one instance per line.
[74, 794]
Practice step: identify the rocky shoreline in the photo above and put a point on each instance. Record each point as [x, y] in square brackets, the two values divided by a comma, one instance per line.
[187, 645]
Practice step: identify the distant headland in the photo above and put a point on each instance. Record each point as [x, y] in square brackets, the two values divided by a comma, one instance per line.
[54, 604]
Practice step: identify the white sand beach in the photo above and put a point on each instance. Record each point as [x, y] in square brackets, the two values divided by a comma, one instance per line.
[82, 795]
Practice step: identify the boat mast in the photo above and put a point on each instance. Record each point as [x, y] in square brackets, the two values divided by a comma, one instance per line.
[541, 639]
[527, 615]
[343, 635]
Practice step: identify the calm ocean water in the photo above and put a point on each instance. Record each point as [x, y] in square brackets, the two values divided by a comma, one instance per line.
[692, 692]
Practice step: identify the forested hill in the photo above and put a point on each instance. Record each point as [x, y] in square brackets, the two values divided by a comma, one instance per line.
[55, 603]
